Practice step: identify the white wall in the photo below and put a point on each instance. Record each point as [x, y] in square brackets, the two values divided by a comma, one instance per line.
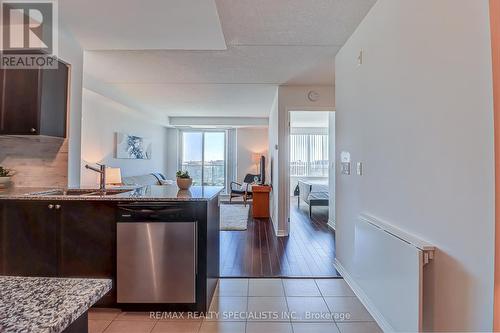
[250, 140]
[418, 113]
[71, 52]
[294, 98]
[274, 163]
[102, 118]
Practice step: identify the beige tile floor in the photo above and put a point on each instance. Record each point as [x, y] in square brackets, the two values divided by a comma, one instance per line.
[289, 302]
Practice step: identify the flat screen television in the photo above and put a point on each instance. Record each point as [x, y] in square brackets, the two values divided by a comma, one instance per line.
[262, 169]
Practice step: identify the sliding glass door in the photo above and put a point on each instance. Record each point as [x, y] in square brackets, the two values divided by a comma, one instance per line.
[204, 157]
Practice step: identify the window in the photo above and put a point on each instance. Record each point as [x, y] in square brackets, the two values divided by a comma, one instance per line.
[204, 157]
[309, 155]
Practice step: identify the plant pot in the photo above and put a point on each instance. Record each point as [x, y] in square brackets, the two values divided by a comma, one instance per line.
[184, 183]
[5, 182]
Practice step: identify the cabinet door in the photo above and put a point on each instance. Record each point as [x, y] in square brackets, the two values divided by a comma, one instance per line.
[20, 102]
[53, 111]
[88, 233]
[29, 238]
[87, 243]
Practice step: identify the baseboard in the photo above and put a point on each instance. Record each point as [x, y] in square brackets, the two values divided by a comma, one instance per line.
[281, 233]
[331, 224]
[379, 318]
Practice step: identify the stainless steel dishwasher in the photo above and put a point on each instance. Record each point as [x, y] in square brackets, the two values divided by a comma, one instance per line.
[156, 253]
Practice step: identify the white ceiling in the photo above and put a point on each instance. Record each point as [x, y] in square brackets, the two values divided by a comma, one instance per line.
[269, 43]
[239, 64]
[204, 100]
[291, 22]
[152, 24]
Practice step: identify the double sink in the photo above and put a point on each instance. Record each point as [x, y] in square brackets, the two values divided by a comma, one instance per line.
[80, 192]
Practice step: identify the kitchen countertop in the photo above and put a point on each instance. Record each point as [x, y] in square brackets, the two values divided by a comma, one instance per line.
[38, 304]
[145, 193]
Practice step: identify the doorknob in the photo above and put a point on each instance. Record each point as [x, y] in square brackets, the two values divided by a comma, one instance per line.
[50, 206]
[58, 207]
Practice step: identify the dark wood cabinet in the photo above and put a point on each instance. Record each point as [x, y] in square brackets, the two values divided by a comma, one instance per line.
[87, 239]
[34, 101]
[54, 101]
[20, 101]
[67, 239]
[29, 239]
[88, 242]
[77, 238]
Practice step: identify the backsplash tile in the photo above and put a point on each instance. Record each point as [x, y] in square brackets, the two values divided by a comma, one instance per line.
[38, 161]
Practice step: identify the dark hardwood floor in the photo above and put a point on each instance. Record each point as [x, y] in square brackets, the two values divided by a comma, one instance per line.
[308, 251]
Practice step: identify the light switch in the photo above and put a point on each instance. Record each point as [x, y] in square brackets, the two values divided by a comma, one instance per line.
[359, 168]
[360, 57]
[345, 163]
[345, 168]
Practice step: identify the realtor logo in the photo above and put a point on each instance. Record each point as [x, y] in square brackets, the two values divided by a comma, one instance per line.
[28, 34]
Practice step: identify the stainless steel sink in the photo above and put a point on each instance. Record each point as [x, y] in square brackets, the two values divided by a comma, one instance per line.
[80, 192]
[109, 192]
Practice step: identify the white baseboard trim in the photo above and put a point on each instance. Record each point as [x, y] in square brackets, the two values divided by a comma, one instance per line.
[331, 224]
[379, 318]
[281, 233]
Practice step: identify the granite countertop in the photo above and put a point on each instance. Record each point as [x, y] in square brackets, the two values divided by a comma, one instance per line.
[46, 305]
[145, 193]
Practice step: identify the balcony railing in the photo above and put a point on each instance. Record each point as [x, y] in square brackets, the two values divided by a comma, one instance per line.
[214, 173]
[309, 169]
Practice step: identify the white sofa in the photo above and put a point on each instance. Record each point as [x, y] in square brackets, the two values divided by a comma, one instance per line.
[143, 180]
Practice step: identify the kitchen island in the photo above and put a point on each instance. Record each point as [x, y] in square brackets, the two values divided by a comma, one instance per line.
[159, 245]
[49, 305]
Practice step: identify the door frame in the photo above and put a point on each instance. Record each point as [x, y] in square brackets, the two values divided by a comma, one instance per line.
[495, 46]
[284, 166]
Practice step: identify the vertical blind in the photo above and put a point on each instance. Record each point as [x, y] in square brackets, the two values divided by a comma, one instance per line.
[309, 155]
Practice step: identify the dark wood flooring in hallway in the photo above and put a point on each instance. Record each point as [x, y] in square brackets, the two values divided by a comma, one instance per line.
[308, 251]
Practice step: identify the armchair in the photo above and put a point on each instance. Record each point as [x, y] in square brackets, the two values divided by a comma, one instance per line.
[243, 190]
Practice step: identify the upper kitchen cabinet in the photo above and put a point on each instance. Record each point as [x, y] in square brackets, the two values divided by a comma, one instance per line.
[34, 101]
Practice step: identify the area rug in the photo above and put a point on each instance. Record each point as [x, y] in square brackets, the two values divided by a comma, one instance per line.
[234, 217]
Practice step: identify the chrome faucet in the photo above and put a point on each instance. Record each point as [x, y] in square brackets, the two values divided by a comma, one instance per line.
[102, 174]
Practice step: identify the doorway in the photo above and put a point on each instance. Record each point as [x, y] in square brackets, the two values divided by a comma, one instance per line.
[311, 171]
[312, 186]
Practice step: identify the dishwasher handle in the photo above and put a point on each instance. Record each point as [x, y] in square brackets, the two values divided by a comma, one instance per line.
[130, 213]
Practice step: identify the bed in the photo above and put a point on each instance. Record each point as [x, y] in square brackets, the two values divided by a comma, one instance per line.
[314, 193]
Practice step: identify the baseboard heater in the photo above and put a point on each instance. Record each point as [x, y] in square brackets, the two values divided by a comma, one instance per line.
[387, 273]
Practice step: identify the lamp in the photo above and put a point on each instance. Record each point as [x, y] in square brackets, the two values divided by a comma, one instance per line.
[113, 176]
[256, 160]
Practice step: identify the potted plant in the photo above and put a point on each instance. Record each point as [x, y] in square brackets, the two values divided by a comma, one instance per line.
[5, 177]
[184, 181]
